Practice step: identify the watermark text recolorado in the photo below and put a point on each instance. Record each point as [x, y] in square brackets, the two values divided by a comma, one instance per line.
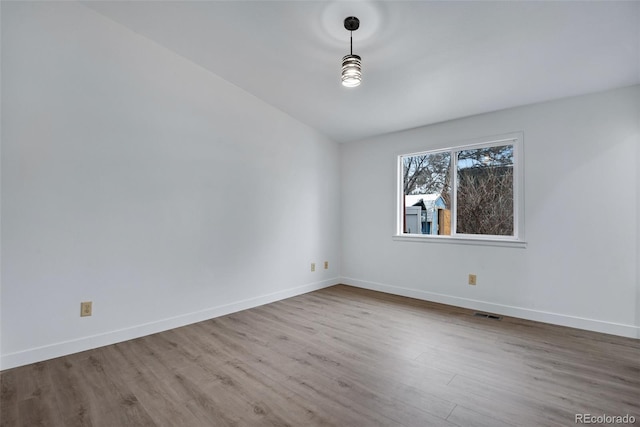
[604, 419]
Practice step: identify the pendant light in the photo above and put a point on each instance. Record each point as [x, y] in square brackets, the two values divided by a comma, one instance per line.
[351, 64]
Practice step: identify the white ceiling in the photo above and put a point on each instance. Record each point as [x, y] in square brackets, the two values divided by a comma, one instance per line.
[423, 62]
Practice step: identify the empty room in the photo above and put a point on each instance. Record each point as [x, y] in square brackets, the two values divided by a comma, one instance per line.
[320, 213]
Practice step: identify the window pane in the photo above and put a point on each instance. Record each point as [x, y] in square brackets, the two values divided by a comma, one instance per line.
[484, 196]
[427, 193]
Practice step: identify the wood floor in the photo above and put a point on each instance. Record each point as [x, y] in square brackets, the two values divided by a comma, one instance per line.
[340, 356]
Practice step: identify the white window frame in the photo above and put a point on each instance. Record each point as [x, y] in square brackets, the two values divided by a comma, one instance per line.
[517, 240]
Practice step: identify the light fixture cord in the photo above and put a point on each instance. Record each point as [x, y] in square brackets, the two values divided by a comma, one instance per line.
[351, 39]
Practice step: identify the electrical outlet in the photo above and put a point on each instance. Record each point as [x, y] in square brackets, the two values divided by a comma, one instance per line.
[313, 266]
[472, 279]
[85, 309]
[326, 265]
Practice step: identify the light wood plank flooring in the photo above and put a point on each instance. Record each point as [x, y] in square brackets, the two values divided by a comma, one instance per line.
[340, 356]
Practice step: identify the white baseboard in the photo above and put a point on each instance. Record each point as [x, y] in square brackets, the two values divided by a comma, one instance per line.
[38, 354]
[629, 331]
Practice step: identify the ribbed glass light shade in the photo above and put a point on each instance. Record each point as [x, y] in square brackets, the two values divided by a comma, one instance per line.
[351, 71]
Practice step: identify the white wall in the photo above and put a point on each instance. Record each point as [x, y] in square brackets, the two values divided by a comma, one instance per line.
[134, 178]
[580, 266]
[637, 323]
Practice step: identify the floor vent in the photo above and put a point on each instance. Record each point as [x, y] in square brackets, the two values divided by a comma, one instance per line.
[488, 316]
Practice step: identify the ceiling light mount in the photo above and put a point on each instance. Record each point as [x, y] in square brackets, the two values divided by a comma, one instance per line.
[351, 64]
[351, 23]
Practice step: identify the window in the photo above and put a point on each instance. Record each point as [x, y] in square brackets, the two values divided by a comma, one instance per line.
[470, 192]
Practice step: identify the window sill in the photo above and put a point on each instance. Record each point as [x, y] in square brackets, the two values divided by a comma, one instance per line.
[459, 240]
